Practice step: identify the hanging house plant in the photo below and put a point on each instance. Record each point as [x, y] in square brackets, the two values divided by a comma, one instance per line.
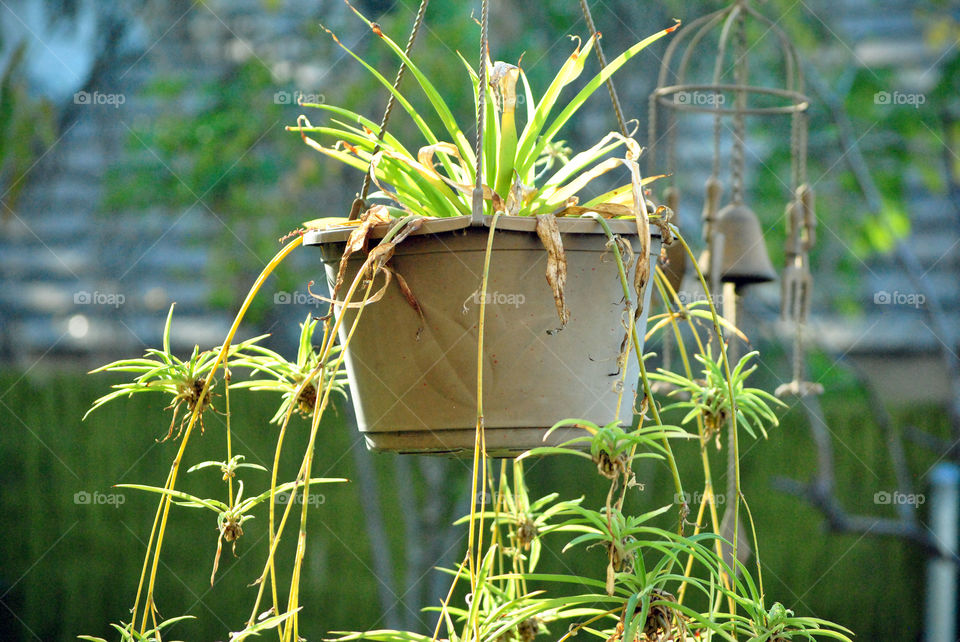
[662, 582]
[553, 349]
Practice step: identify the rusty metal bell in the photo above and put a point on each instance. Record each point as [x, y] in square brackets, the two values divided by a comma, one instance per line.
[745, 260]
[675, 264]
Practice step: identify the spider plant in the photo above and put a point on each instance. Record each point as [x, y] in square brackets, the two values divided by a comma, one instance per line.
[162, 371]
[778, 623]
[231, 515]
[709, 397]
[527, 170]
[128, 632]
[612, 446]
[299, 381]
[638, 601]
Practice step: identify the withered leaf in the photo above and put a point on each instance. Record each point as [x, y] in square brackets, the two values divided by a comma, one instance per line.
[408, 229]
[567, 205]
[661, 218]
[519, 196]
[642, 275]
[347, 146]
[411, 299]
[426, 167]
[357, 240]
[549, 234]
[375, 263]
[606, 210]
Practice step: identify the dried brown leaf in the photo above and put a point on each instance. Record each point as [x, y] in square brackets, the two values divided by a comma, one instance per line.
[408, 229]
[411, 299]
[549, 234]
[375, 263]
[606, 210]
[357, 240]
[661, 218]
[569, 203]
[642, 275]
[519, 196]
[426, 167]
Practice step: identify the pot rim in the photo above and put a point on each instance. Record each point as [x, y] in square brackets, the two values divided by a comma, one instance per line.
[572, 225]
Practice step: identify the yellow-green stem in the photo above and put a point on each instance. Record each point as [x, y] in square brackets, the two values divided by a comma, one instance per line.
[175, 467]
[667, 293]
[226, 396]
[735, 441]
[671, 460]
[475, 537]
[290, 630]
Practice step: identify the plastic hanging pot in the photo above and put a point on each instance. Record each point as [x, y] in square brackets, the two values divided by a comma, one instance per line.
[418, 395]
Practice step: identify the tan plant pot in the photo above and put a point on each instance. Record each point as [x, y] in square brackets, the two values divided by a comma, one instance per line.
[419, 396]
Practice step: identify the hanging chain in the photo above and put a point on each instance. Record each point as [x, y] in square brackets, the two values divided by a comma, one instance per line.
[795, 180]
[359, 202]
[481, 114]
[739, 124]
[802, 150]
[614, 98]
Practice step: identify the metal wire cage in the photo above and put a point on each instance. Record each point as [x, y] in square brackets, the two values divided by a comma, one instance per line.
[736, 251]
[729, 97]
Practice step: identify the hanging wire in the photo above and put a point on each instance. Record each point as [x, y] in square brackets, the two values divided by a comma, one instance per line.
[717, 75]
[739, 120]
[614, 98]
[360, 202]
[477, 212]
[795, 180]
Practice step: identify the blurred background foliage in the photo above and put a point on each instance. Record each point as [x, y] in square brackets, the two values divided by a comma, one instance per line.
[235, 162]
[27, 127]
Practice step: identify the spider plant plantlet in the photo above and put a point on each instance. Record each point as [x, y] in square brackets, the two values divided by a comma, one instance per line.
[162, 371]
